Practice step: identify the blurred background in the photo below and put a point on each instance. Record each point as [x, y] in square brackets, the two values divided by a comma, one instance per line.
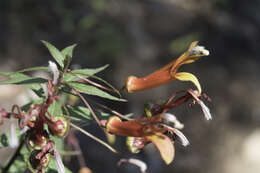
[137, 37]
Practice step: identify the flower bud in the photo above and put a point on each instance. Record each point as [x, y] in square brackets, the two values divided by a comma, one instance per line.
[37, 141]
[38, 164]
[59, 126]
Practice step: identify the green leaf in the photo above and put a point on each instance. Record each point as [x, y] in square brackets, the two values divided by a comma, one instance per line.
[67, 54]
[108, 84]
[89, 71]
[68, 51]
[23, 81]
[37, 68]
[79, 112]
[91, 90]
[56, 54]
[70, 78]
[55, 108]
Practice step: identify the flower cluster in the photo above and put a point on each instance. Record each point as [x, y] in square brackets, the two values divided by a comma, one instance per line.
[33, 121]
[158, 126]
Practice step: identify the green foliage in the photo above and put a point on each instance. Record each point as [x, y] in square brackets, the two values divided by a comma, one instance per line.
[38, 68]
[86, 73]
[56, 54]
[21, 79]
[79, 113]
[68, 51]
[89, 72]
[91, 90]
[55, 108]
[69, 80]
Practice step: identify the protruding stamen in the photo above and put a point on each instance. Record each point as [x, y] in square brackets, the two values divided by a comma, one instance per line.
[199, 50]
[182, 137]
[205, 110]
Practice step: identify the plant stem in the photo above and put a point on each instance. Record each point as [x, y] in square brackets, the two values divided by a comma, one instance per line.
[88, 106]
[94, 137]
[14, 157]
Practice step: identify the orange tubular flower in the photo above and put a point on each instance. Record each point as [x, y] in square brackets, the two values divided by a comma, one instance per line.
[169, 72]
[143, 131]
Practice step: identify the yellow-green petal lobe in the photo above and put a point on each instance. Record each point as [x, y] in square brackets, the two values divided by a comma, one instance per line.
[184, 76]
[164, 145]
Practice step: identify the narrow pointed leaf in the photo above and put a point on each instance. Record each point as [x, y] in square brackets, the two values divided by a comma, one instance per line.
[38, 68]
[89, 71]
[67, 54]
[108, 84]
[70, 78]
[68, 51]
[56, 54]
[22, 79]
[164, 145]
[91, 90]
[184, 76]
[83, 113]
[19, 78]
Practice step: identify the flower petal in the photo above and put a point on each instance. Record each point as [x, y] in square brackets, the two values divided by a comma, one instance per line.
[184, 76]
[164, 145]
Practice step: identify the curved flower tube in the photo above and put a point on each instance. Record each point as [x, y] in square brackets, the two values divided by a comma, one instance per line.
[169, 72]
[143, 131]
